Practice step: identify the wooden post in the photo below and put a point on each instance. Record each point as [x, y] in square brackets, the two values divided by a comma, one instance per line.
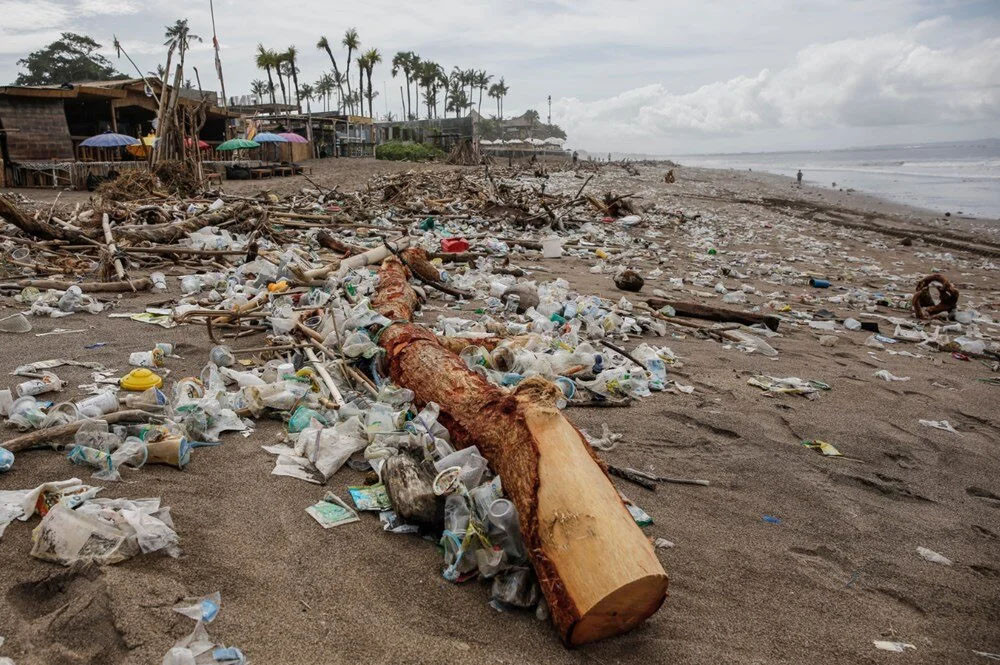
[598, 571]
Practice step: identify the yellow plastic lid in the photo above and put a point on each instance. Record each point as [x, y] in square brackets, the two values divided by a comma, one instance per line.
[141, 379]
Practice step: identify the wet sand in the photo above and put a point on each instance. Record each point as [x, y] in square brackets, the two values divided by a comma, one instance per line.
[839, 571]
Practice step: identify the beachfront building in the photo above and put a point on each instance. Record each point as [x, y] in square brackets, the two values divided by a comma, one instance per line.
[443, 133]
[42, 127]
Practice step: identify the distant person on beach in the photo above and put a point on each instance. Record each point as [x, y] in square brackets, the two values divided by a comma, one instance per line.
[799, 177]
[576, 157]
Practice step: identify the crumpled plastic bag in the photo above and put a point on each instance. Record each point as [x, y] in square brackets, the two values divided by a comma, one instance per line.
[104, 531]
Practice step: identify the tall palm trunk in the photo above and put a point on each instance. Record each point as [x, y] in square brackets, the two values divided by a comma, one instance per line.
[270, 84]
[348, 72]
[409, 107]
[480, 109]
[368, 73]
[295, 80]
[281, 82]
[361, 90]
[336, 71]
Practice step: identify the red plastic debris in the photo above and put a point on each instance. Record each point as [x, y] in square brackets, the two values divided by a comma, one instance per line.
[454, 245]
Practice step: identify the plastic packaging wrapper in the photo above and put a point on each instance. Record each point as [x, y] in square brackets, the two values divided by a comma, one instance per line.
[104, 531]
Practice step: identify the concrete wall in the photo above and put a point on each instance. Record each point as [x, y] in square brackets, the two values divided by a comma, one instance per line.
[44, 134]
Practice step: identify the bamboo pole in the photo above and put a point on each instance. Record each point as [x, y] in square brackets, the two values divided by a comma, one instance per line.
[110, 240]
[596, 568]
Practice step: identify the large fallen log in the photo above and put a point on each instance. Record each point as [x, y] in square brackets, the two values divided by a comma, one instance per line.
[709, 313]
[598, 571]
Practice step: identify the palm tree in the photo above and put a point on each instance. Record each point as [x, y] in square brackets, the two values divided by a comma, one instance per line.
[289, 56]
[180, 36]
[502, 89]
[307, 93]
[402, 62]
[372, 58]
[323, 88]
[415, 64]
[430, 73]
[457, 99]
[263, 61]
[259, 89]
[281, 67]
[440, 82]
[324, 44]
[362, 63]
[352, 42]
[482, 80]
[494, 92]
[341, 97]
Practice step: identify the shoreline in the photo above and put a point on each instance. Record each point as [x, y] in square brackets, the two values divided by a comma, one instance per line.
[833, 569]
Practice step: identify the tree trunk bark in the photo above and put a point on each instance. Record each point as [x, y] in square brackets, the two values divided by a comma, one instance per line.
[36, 229]
[597, 569]
[171, 232]
[720, 314]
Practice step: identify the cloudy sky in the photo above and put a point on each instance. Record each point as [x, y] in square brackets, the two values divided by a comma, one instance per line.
[652, 76]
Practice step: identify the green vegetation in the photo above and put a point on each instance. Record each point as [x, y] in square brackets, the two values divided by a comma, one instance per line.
[71, 58]
[409, 151]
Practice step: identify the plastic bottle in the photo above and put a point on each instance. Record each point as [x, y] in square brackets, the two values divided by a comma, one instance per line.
[222, 356]
[456, 523]
[503, 515]
[47, 384]
[99, 404]
[243, 379]
[150, 398]
[153, 358]
[25, 414]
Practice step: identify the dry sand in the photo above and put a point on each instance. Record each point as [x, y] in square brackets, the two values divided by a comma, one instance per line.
[839, 571]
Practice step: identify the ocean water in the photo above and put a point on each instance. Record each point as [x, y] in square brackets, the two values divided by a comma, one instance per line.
[945, 177]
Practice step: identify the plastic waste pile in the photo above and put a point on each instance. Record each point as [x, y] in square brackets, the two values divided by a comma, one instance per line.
[77, 526]
[198, 648]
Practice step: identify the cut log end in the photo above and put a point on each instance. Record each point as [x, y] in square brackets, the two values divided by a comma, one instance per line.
[621, 610]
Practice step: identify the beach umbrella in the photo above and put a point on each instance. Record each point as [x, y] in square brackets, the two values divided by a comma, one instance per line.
[268, 137]
[237, 144]
[292, 137]
[153, 140]
[109, 140]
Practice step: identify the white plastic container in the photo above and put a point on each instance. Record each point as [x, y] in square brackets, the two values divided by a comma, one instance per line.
[97, 405]
[47, 384]
[552, 247]
[6, 402]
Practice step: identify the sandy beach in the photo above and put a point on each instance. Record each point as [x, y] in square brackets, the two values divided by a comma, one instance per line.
[837, 570]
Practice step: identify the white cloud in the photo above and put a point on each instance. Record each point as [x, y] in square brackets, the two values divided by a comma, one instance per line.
[890, 79]
[21, 15]
[106, 7]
